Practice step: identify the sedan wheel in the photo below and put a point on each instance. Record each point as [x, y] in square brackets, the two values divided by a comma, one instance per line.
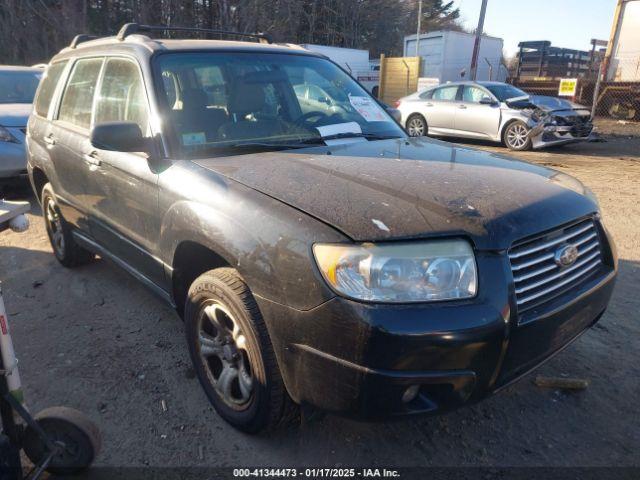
[417, 126]
[516, 137]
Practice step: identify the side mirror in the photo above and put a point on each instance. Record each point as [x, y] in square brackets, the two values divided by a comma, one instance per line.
[487, 101]
[119, 137]
[395, 113]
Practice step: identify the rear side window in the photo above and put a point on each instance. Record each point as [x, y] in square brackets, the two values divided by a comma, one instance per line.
[122, 97]
[426, 95]
[78, 95]
[47, 87]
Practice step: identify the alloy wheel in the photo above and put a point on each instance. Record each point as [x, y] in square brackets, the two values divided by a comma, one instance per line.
[517, 136]
[222, 347]
[54, 225]
[416, 127]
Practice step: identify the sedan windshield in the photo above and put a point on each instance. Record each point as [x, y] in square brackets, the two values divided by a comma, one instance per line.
[223, 101]
[505, 92]
[18, 86]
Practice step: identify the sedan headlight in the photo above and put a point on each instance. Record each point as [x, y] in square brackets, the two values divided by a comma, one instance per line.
[5, 136]
[400, 272]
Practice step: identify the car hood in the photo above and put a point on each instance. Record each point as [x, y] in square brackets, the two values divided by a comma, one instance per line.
[544, 103]
[414, 188]
[14, 114]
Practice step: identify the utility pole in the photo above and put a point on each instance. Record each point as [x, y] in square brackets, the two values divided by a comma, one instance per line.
[476, 44]
[419, 28]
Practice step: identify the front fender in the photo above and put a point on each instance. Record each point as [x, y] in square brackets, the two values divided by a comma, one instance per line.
[204, 225]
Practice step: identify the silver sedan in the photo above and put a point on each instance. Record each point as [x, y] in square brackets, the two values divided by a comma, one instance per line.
[17, 88]
[494, 111]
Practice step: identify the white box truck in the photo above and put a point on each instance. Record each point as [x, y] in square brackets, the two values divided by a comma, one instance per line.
[354, 61]
[446, 56]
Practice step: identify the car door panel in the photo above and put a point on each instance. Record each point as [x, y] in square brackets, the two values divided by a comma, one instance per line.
[122, 190]
[68, 136]
[439, 110]
[475, 119]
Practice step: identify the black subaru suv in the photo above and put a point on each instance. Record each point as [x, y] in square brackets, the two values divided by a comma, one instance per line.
[317, 254]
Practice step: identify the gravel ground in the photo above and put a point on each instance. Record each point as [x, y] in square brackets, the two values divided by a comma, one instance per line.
[96, 340]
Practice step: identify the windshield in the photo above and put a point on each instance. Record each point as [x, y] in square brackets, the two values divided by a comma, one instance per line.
[18, 86]
[505, 92]
[217, 101]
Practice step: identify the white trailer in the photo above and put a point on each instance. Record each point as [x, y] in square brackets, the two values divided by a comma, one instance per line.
[446, 56]
[354, 61]
[624, 47]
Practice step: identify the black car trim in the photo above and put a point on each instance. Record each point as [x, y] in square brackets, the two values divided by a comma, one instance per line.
[104, 253]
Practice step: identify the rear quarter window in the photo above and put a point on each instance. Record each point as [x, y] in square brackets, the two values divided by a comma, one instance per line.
[47, 87]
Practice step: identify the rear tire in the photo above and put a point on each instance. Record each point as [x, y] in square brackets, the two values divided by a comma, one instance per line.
[516, 136]
[232, 353]
[65, 249]
[417, 126]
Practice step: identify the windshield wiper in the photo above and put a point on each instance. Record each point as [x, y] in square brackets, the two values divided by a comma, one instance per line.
[302, 143]
[337, 136]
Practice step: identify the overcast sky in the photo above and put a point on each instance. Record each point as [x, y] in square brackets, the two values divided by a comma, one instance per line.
[566, 23]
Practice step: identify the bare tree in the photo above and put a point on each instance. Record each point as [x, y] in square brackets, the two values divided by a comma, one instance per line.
[32, 31]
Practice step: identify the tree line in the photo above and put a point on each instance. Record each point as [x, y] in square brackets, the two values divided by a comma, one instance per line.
[32, 31]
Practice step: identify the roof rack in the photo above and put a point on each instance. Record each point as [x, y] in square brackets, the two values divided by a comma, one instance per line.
[131, 28]
[84, 37]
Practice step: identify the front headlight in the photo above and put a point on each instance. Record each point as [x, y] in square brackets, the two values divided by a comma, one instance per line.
[5, 136]
[400, 272]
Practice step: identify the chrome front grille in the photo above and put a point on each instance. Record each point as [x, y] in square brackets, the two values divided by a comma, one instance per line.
[538, 273]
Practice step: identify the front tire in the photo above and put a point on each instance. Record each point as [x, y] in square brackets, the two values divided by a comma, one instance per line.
[232, 354]
[417, 126]
[65, 249]
[516, 136]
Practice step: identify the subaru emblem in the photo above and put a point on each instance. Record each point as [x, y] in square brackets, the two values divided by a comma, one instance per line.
[566, 255]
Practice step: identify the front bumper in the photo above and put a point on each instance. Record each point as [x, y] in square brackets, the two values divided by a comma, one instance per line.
[13, 157]
[549, 136]
[359, 359]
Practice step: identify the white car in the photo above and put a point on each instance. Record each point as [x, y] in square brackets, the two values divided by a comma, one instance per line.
[494, 111]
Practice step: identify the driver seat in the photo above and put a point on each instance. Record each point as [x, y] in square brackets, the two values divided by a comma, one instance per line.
[248, 99]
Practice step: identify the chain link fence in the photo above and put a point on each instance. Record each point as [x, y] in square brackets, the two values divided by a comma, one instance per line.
[616, 95]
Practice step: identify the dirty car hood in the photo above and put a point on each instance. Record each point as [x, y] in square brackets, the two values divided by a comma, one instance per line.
[416, 188]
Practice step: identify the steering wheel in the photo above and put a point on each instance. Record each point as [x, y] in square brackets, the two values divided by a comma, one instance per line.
[302, 120]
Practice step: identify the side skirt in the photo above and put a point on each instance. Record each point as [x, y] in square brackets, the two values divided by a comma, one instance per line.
[99, 250]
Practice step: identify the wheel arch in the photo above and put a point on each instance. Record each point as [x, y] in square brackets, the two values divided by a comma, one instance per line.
[38, 180]
[510, 122]
[413, 115]
[196, 238]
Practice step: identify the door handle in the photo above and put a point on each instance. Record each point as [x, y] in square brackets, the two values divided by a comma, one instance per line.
[49, 140]
[91, 159]
[428, 104]
[462, 107]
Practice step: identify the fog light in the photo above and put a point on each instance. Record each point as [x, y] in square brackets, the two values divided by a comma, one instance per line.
[410, 394]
